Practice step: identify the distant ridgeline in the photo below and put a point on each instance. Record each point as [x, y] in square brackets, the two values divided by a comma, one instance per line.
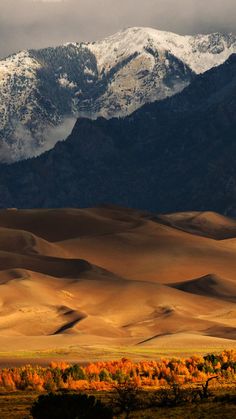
[176, 154]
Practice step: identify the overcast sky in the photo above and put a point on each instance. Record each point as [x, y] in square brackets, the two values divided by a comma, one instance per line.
[38, 23]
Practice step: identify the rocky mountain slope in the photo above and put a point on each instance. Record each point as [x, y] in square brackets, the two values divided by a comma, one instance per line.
[168, 156]
[42, 89]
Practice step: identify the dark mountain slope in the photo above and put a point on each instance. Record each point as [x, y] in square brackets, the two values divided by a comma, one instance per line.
[178, 154]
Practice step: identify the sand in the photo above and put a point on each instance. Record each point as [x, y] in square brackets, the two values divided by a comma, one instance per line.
[90, 281]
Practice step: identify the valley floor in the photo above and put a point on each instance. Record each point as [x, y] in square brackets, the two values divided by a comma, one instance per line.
[86, 355]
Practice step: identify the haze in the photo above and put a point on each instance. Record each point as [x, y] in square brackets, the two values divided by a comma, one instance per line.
[37, 23]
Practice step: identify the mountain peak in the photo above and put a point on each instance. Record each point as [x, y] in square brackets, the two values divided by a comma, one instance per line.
[215, 47]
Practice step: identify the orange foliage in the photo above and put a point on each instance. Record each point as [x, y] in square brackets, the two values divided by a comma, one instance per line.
[103, 376]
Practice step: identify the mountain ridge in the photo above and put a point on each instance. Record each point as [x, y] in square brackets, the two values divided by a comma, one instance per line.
[154, 159]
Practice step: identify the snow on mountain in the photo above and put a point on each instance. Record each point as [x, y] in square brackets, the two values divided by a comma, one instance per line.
[17, 98]
[200, 52]
[152, 65]
[41, 89]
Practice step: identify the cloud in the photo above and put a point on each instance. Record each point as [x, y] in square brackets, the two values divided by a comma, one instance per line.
[39, 23]
[25, 145]
[53, 135]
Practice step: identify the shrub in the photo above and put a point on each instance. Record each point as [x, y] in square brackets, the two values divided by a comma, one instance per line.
[127, 398]
[69, 406]
[76, 372]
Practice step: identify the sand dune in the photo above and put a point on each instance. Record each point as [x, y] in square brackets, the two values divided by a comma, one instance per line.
[58, 267]
[208, 224]
[23, 242]
[102, 306]
[56, 224]
[113, 276]
[211, 286]
[155, 252]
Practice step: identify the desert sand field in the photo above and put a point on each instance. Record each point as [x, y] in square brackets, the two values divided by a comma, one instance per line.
[98, 281]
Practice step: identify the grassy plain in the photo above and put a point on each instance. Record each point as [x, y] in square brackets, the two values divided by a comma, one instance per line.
[89, 354]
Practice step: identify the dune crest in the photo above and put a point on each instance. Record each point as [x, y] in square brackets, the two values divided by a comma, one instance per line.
[210, 286]
[208, 224]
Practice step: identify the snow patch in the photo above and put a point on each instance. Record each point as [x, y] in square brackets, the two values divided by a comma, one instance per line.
[89, 72]
[65, 82]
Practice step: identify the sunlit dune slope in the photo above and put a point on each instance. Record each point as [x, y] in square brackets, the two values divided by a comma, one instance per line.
[150, 250]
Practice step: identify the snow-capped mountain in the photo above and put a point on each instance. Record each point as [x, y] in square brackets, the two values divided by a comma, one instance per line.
[42, 89]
